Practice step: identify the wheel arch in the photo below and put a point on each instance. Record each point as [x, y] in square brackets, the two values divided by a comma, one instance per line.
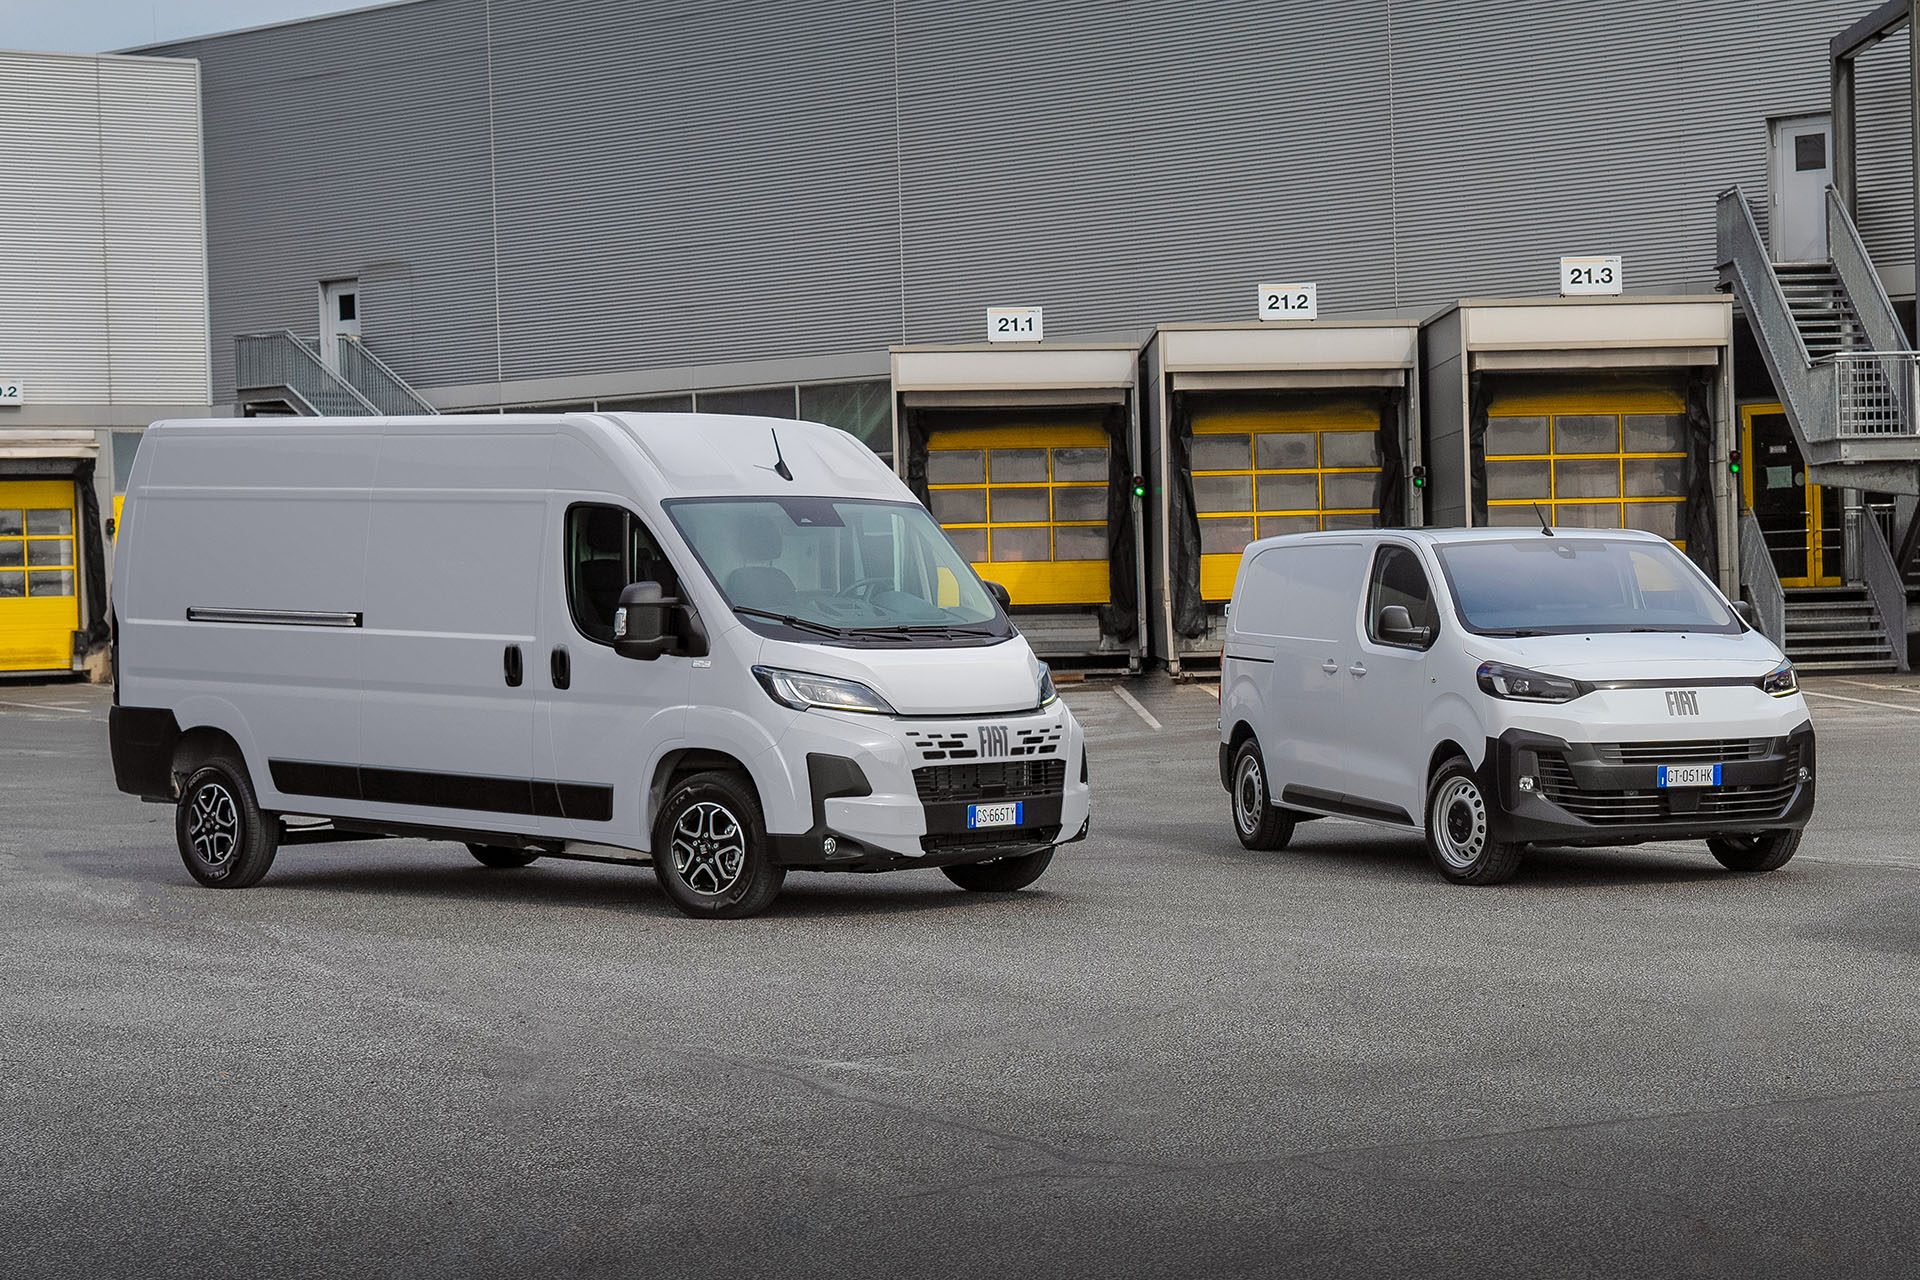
[684, 762]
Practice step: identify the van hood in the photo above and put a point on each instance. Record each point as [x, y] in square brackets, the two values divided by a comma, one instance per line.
[926, 681]
[1633, 655]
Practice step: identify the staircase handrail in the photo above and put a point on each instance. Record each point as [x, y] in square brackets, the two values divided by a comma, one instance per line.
[1884, 585]
[1806, 389]
[378, 383]
[280, 358]
[1873, 393]
[1861, 282]
[1762, 581]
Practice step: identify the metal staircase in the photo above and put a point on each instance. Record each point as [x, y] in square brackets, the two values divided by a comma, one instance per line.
[1836, 630]
[282, 373]
[1849, 381]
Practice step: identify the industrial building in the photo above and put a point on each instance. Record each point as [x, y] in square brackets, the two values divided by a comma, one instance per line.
[475, 205]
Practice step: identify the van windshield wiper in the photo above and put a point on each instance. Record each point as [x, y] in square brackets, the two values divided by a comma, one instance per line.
[798, 624]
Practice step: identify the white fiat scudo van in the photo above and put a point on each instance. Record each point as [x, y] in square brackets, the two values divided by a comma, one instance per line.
[725, 646]
[1495, 688]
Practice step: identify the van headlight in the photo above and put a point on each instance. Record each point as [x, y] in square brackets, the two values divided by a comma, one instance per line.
[1780, 682]
[1048, 694]
[1517, 684]
[806, 692]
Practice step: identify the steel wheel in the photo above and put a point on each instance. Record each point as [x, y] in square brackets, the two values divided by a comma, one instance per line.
[1249, 795]
[1459, 823]
[709, 848]
[213, 825]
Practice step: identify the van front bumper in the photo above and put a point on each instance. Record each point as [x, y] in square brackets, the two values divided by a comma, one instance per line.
[1549, 790]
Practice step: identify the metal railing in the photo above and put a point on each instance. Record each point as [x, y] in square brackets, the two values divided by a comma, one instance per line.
[1884, 585]
[1805, 387]
[1872, 391]
[1762, 581]
[388, 392]
[1859, 281]
[284, 362]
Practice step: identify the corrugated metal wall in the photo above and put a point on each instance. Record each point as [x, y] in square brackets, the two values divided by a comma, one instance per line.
[1883, 190]
[678, 184]
[102, 232]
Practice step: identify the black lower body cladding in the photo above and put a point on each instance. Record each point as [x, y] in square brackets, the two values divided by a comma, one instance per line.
[142, 741]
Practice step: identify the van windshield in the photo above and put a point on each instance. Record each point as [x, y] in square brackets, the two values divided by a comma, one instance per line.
[858, 570]
[1541, 586]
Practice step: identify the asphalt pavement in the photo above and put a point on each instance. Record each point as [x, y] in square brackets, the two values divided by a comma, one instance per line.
[1169, 1057]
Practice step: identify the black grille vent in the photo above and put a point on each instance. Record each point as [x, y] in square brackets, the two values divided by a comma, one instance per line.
[1000, 780]
[1705, 751]
[1023, 840]
[1649, 805]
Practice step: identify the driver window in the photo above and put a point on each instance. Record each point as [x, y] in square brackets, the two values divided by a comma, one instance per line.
[1399, 579]
[607, 549]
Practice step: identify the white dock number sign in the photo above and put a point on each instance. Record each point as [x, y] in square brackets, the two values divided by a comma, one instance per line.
[1289, 302]
[11, 392]
[1014, 324]
[1595, 274]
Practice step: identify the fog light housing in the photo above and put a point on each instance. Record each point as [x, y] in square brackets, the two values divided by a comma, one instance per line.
[829, 846]
[1527, 783]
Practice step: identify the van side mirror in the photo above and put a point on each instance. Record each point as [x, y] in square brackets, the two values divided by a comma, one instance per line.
[640, 623]
[1744, 611]
[1395, 626]
[999, 593]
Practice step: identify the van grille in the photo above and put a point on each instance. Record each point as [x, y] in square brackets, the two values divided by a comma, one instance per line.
[1651, 806]
[999, 780]
[1704, 751]
[1022, 840]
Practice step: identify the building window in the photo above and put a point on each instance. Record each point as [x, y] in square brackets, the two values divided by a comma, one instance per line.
[648, 404]
[863, 410]
[1810, 152]
[757, 402]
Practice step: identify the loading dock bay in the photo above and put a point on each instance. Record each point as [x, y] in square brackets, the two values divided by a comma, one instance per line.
[1172, 1056]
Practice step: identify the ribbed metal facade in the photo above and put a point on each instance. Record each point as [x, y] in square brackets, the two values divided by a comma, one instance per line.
[529, 190]
[102, 232]
[1884, 155]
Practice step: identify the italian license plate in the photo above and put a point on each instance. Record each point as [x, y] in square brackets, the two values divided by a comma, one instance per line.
[1689, 775]
[1005, 814]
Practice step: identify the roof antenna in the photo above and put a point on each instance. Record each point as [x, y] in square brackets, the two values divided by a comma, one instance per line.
[1544, 526]
[780, 467]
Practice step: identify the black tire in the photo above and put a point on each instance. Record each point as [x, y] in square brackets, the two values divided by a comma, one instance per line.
[495, 855]
[1002, 875]
[1459, 829]
[710, 849]
[1768, 851]
[224, 839]
[1258, 822]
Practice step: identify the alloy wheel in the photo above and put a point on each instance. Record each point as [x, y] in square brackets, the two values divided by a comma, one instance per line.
[709, 848]
[213, 824]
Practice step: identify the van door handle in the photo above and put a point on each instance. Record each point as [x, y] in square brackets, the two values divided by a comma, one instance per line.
[1358, 669]
[1329, 666]
[560, 668]
[513, 666]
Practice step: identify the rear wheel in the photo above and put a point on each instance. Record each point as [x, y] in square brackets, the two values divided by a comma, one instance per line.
[1768, 851]
[710, 848]
[1002, 875]
[1460, 829]
[1258, 822]
[494, 855]
[224, 839]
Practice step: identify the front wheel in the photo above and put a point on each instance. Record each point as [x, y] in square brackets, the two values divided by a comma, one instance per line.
[1460, 829]
[224, 839]
[1767, 851]
[710, 849]
[1002, 875]
[494, 855]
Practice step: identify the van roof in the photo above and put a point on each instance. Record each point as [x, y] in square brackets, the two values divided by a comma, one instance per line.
[689, 454]
[1444, 537]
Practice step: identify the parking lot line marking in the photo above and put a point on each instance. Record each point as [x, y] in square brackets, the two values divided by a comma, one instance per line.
[1211, 690]
[1884, 688]
[46, 706]
[1138, 710]
[1864, 702]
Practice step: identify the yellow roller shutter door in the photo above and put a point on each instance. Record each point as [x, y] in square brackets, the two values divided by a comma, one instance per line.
[1594, 457]
[1027, 505]
[1288, 465]
[39, 575]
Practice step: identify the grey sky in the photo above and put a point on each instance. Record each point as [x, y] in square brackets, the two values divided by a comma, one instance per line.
[94, 26]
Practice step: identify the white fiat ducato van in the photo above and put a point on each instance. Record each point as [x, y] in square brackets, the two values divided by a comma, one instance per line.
[1495, 688]
[725, 646]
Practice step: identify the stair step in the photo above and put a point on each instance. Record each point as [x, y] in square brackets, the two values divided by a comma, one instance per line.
[1846, 668]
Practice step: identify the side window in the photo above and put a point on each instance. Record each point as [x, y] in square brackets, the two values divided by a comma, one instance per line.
[1399, 579]
[608, 548]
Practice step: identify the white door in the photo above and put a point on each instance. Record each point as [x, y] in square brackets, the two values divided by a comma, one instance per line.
[1315, 595]
[339, 318]
[606, 718]
[1802, 168]
[1391, 689]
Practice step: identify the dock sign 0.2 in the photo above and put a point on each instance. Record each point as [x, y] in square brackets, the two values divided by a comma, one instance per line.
[1595, 273]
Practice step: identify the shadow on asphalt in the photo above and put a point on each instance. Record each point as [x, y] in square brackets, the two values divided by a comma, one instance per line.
[1400, 858]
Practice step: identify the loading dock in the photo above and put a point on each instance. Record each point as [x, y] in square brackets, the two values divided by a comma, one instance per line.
[1602, 412]
[52, 555]
[1259, 429]
[1027, 458]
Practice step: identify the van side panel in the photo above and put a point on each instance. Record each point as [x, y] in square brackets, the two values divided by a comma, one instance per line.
[247, 523]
